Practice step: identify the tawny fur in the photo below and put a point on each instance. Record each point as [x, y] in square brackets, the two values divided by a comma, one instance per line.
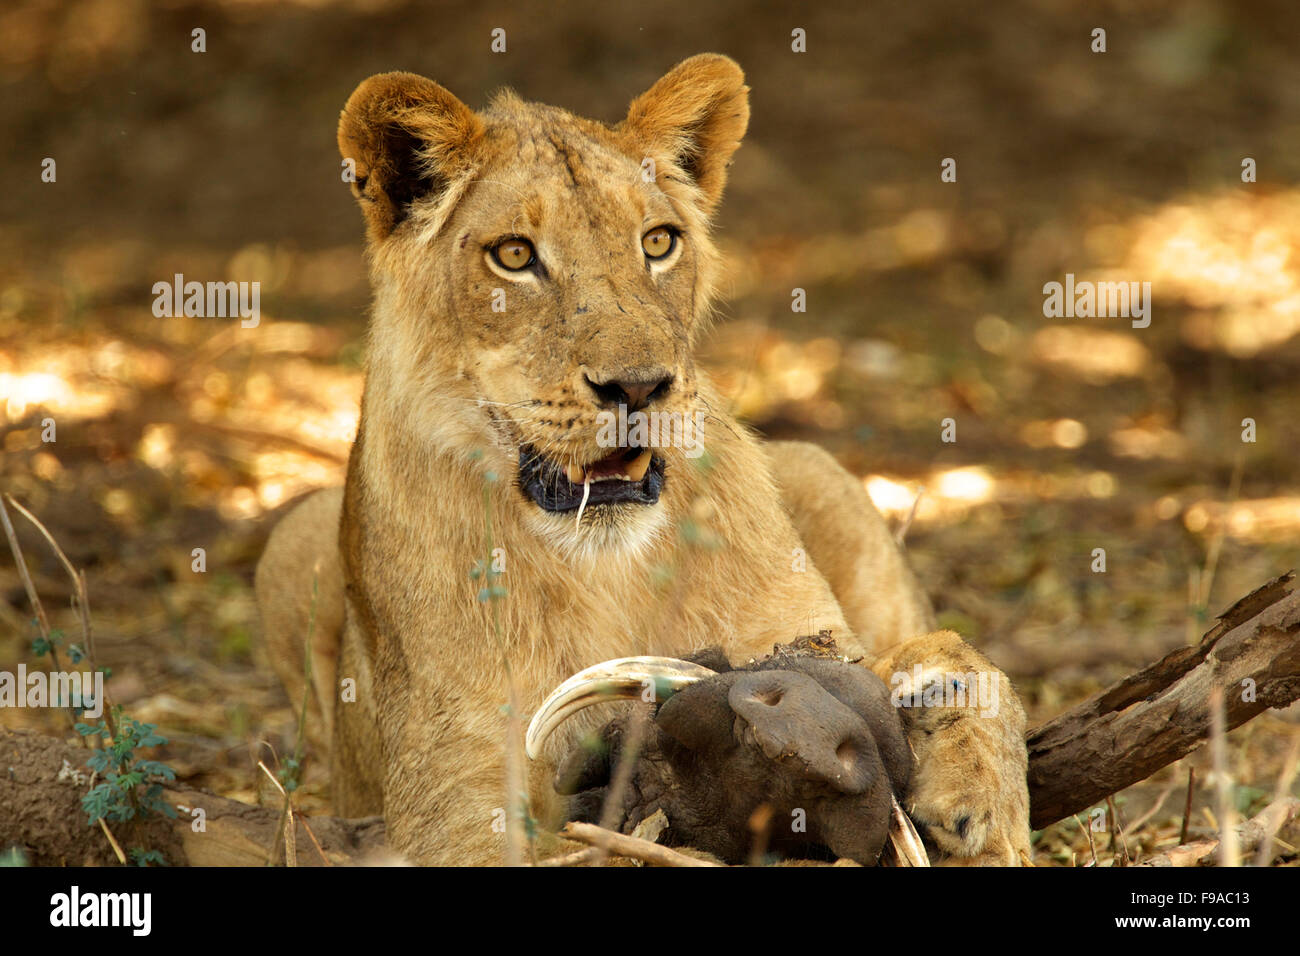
[751, 545]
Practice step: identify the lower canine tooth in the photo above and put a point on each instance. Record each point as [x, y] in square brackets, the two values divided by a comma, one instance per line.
[636, 468]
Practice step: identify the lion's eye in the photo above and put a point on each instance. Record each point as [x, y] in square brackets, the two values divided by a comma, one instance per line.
[658, 242]
[514, 254]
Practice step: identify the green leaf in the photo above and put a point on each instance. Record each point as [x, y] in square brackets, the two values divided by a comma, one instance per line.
[142, 857]
[98, 761]
[152, 768]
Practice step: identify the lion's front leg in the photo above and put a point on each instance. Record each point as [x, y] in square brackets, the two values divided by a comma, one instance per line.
[969, 795]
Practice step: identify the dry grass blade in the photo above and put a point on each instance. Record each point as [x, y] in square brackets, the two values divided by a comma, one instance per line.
[17, 551]
[78, 580]
[516, 782]
[1117, 832]
[637, 725]
[901, 534]
[286, 823]
[1227, 814]
[1202, 583]
[302, 717]
[1088, 831]
[307, 826]
[1284, 781]
[516, 777]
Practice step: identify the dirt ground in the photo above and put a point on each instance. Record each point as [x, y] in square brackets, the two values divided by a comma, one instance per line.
[925, 302]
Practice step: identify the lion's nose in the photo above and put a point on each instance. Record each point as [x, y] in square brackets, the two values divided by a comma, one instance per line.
[634, 392]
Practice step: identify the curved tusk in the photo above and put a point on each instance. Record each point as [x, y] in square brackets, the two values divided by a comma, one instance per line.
[626, 678]
[908, 848]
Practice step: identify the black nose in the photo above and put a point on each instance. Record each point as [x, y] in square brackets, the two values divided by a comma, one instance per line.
[635, 393]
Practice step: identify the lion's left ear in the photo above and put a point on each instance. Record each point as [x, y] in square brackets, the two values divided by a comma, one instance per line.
[408, 138]
[694, 118]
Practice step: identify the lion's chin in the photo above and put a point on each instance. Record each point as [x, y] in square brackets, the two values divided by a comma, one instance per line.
[603, 508]
[605, 531]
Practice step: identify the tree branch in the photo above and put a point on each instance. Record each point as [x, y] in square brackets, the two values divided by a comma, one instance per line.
[1159, 714]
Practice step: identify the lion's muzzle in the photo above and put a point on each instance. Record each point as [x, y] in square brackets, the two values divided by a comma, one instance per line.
[628, 476]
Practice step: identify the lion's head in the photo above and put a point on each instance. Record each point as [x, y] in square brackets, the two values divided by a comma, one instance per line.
[540, 282]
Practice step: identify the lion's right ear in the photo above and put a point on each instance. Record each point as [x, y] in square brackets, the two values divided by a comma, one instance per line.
[695, 116]
[407, 138]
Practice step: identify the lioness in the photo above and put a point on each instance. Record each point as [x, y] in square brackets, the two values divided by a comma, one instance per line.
[533, 270]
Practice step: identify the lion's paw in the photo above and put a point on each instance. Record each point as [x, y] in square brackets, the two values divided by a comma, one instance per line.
[969, 796]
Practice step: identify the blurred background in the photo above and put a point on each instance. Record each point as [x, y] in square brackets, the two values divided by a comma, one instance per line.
[924, 302]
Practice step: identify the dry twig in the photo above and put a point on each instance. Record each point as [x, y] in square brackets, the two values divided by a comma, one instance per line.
[1248, 835]
[1117, 832]
[622, 845]
[112, 840]
[1087, 829]
[588, 854]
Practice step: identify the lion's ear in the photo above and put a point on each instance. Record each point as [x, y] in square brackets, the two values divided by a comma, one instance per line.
[407, 138]
[694, 117]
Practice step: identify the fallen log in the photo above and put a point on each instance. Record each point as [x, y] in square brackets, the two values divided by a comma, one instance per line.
[1161, 713]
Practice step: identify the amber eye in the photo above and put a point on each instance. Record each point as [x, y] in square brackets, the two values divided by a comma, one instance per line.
[658, 242]
[514, 254]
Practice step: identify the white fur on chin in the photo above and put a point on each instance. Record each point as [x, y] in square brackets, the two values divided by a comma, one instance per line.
[607, 531]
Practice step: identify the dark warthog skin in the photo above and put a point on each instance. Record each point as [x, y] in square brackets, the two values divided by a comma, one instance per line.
[817, 742]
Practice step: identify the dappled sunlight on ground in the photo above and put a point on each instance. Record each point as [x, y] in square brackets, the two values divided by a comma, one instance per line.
[1233, 257]
[864, 304]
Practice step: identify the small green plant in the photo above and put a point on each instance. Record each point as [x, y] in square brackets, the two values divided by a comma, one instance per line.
[131, 787]
[42, 646]
[47, 645]
[289, 774]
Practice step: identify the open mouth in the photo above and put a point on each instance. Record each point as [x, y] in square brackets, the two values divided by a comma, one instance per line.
[629, 475]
